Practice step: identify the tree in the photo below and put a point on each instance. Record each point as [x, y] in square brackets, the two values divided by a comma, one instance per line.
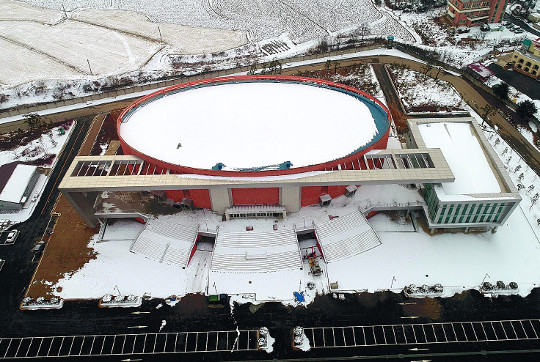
[426, 67]
[33, 120]
[526, 109]
[336, 65]
[328, 64]
[252, 68]
[501, 90]
[487, 110]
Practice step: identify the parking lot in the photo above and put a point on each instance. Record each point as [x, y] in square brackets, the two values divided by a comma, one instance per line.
[129, 344]
[8, 237]
[424, 334]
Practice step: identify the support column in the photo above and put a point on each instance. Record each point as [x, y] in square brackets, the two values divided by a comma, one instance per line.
[290, 198]
[220, 199]
[84, 205]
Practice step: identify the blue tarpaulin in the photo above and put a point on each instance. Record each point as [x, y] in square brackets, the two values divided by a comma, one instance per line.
[299, 297]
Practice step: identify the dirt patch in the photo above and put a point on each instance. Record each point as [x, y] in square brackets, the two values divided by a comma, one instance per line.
[67, 247]
[67, 250]
[106, 134]
[430, 308]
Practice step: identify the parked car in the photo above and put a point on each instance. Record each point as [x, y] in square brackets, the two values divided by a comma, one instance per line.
[12, 235]
[519, 31]
[38, 249]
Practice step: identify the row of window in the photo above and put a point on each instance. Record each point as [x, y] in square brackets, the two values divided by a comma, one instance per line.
[258, 214]
[527, 64]
[473, 5]
[472, 213]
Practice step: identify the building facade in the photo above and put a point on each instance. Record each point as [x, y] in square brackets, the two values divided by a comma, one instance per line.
[527, 59]
[466, 206]
[475, 13]
[20, 180]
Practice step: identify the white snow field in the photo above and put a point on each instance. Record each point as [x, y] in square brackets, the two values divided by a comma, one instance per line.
[302, 20]
[43, 44]
[258, 124]
[457, 261]
[123, 36]
[411, 86]
[193, 40]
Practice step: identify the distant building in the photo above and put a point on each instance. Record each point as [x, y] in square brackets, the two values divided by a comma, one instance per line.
[475, 13]
[479, 71]
[527, 59]
[16, 184]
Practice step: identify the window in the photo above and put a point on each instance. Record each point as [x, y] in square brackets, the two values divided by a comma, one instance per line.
[535, 66]
[520, 61]
[528, 64]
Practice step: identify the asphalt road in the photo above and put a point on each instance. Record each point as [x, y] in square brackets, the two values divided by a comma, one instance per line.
[523, 25]
[521, 82]
[19, 268]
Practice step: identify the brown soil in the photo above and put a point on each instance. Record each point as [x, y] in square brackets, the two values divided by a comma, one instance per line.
[107, 133]
[428, 308]
[67, 248]
[66, 251]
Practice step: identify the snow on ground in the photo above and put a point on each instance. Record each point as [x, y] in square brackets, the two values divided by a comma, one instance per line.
[194, 40]
[122, 230]
[361, 76]
[33, 92]
[14, 10]
[66, 44]
[50, 143]
[458, 49]
[123, 39]
[517, 97]
[525, 179]
[132, 273]
[269, 121]
[458, 261]
[417, 90]
[303, 20]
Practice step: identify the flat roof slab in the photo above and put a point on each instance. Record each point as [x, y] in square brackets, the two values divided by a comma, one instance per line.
[249, 125]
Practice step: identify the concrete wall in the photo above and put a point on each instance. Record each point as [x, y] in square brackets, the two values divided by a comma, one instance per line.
[290, 198]
[220, 200]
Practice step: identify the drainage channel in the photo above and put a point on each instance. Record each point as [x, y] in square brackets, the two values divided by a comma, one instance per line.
[129, 344]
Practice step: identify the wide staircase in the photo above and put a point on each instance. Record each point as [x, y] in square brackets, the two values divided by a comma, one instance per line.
[256, 251]
[166, 242]
[345, 237]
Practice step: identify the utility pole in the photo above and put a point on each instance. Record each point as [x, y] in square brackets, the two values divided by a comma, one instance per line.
[89, 67]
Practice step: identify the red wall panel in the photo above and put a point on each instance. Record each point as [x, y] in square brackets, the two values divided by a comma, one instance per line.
[310, 195]
[201, 198]
[336, 191]
[262, 196]
[175, 195]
